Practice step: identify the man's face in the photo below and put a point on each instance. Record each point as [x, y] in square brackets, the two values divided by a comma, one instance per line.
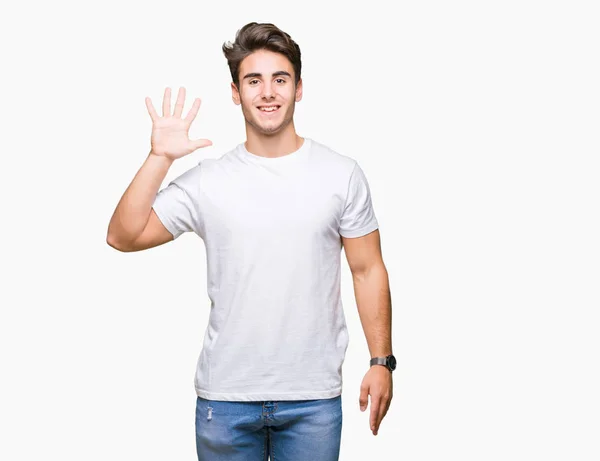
[267, 80]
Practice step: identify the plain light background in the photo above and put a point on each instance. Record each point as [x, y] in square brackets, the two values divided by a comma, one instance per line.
[476, 124]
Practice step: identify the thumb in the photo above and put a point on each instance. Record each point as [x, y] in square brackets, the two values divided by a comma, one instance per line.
[198, 143]
[363, 400]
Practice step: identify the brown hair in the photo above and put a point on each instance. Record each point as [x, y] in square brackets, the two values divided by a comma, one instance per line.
[256, 36]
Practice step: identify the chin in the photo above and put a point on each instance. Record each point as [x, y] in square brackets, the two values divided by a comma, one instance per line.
[271, 130]
[266, 128]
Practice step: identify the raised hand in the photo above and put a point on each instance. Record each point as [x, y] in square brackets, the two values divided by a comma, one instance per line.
[170, 132]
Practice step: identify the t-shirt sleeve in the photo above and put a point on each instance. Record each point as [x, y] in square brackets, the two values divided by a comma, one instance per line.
[358, 217]
[177, 204]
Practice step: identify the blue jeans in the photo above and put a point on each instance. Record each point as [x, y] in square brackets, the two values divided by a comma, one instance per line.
[283, 430]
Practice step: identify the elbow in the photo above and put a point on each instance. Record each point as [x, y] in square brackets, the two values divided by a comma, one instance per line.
[113, 242]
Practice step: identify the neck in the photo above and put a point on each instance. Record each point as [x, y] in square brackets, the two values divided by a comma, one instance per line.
[276, 145]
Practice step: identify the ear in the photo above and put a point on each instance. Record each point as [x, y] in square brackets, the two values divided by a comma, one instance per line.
[235, 94]
[299, 90]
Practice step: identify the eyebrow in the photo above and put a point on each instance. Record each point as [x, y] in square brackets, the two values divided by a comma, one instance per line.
[274, 74]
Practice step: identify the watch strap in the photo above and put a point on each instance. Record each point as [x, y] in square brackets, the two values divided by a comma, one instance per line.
[379, 361]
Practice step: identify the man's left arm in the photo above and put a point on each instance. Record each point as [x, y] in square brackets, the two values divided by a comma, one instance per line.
[373, 300]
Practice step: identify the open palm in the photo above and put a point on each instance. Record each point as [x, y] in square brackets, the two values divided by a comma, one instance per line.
[170, 132]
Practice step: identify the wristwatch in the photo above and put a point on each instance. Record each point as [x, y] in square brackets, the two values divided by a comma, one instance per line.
[389, 362]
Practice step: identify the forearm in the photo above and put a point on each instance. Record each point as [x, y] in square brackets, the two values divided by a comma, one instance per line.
[374, 303]
[133, 210]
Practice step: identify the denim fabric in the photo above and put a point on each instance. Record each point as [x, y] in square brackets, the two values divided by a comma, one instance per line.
[282, 430]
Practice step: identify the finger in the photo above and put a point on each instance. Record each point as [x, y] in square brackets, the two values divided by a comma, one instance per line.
[151, 110]
[380, 414]
[388, 404]
[167, 103]
[193, 111]
[179, 103]
[198, 143]
[374, 412]
[387, 407]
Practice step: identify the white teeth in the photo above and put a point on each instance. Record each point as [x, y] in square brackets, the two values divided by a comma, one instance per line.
[268, 109]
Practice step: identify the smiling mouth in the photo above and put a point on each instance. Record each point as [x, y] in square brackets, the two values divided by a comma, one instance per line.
[269, 109]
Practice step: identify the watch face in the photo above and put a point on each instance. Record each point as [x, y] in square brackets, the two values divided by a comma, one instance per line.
[392, 362]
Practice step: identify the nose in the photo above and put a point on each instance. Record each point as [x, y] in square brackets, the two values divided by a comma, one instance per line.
[267, 90]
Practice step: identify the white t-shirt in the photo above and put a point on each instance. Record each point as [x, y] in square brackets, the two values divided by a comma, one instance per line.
[271, 227]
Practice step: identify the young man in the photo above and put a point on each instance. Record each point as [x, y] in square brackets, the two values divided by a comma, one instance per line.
[274, 213]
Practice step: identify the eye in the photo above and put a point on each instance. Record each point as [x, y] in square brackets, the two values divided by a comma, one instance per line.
[281, 80]
[250, 82]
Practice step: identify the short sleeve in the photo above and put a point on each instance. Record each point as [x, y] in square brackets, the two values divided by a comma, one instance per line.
[177, 205]
[358, 217]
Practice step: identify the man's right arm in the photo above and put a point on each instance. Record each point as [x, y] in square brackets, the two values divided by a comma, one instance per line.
[134, 225]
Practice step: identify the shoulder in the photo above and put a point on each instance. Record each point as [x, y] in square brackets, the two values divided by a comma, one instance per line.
[206, 166]
[192, 179]
[209, 167]
[333, 159]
